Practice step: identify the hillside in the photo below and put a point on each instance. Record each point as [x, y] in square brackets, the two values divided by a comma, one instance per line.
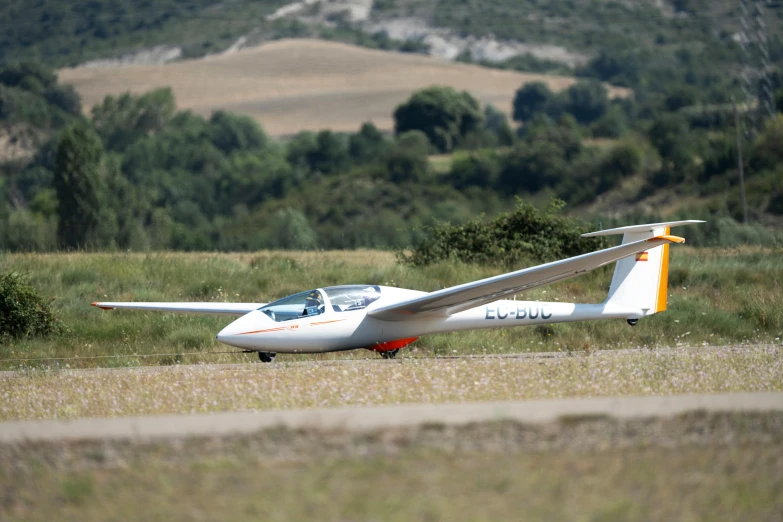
[183, 163]
[293, 85]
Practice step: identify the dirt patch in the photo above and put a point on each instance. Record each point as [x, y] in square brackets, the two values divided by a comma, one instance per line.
[16, 144]
[584, 434]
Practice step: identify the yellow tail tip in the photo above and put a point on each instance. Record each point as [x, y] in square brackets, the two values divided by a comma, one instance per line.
[672, 239]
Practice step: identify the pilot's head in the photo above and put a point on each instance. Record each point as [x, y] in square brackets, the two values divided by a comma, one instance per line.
[315, 295]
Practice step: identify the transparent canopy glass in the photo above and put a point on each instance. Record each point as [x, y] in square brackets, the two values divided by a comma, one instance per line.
[352, 297]
[295, 306]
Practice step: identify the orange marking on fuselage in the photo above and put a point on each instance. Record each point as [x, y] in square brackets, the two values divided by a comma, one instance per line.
[290, 327]
[264, 331]
[327, 322]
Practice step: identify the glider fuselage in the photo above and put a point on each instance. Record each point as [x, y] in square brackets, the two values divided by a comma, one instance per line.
[332, 330]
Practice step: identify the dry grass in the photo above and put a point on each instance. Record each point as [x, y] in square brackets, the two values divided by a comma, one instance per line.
[309, 259]
[677, 480]
[293, 85]
[191, 389]
[717, 297]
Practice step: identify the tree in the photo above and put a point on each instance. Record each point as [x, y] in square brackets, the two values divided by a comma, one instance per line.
[681, 96]
[300, 149]
[767, 152]
[618, 67]
[230, 132]
[78, 183]
[529, 167]
[564, 134]
[443, 114]
[290, 230]
[480, 169]
[670, 137]
[407, 159]
[30, 76]
[621, 161]
[496, 122]
[122, 121]
[587, 101]
[531, 99]
[331, 153]
[668, 134]
[611, 125]
[66, 98]
[367, 144]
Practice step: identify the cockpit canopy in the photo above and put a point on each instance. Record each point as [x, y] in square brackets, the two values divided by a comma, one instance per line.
[352, 297]
[345, 298]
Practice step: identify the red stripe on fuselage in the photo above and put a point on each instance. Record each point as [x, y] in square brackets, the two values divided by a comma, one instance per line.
[393, 345]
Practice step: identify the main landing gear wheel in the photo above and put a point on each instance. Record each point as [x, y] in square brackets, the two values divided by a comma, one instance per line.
[632, 322]
[266, 357]
[389, 354]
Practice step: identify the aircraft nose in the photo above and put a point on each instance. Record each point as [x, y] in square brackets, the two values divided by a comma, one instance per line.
[237, 333]
[226, 333]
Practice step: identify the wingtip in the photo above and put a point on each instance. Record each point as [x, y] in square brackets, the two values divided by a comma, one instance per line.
[101, 307]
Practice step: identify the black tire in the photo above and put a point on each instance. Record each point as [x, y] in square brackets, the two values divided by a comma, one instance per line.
[632, 322]
[389, 354]
[266, 357]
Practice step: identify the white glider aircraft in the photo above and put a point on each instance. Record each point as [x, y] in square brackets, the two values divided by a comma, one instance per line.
[385, 319]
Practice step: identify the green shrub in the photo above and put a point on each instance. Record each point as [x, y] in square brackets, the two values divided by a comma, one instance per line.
[23, 312]
[524, 234]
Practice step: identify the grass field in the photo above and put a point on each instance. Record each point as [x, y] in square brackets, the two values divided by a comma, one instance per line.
[198, 389]
[693, 467]
[293, 85]
[716, 297]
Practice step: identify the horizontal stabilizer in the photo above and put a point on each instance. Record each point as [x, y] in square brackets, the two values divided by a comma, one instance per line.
[633, 229]
[187, 308]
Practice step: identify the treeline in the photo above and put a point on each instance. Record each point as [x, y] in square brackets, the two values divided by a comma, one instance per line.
[138, 174]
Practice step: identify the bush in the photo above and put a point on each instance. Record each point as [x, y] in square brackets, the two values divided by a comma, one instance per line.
[23, 312]
[524, 234]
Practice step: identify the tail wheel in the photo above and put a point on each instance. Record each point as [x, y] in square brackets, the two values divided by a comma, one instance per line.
[266, 357]
[390, 354]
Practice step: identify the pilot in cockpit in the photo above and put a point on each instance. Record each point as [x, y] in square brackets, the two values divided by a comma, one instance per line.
[313, 303]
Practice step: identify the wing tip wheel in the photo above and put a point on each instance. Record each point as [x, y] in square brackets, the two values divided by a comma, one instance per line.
[266, 357]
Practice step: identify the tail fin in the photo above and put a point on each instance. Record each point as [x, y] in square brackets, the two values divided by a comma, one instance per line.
[640, 282]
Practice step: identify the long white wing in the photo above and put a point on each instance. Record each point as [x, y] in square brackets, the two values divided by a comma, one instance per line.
[470, 295]
[190, 308]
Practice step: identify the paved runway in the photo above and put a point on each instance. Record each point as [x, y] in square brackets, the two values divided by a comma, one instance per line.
[381, 417]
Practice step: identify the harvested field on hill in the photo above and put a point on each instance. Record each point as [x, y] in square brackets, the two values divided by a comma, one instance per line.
[294, 85]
